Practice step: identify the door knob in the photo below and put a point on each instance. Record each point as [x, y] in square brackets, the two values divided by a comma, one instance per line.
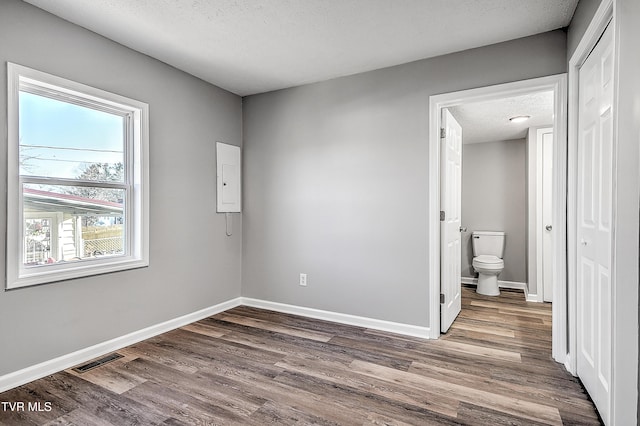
[583, 242]
[463, 229]
[548, 227]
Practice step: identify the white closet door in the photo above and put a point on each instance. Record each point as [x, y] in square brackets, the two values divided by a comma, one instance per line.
[595, 234]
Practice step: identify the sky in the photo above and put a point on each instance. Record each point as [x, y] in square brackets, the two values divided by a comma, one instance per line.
[59, 139]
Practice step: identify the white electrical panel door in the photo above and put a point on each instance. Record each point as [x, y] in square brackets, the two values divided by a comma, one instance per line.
[228, 178]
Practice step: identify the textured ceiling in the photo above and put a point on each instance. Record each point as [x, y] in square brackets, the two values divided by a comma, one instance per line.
[489, 121]
[253, 46]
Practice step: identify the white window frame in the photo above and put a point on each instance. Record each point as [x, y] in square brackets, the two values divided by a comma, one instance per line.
[136, 180]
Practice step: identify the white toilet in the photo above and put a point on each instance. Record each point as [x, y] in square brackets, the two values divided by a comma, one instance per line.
[488, 249]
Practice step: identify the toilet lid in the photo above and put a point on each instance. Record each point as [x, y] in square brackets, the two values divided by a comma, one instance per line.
[487, 260]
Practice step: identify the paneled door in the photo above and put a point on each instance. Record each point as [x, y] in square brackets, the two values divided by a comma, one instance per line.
[594, 231]
[450, 220]
[547, 216]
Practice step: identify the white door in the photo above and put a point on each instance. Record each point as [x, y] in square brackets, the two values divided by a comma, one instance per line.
[594, 236]
[547, 216]
[450, 206]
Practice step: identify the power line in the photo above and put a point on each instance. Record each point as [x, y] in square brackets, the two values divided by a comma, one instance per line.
[70, 149]
[67, 161]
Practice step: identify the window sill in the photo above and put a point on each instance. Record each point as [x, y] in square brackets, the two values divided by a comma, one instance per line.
[46, 274]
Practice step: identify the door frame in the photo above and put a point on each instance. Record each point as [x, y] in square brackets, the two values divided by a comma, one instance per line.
[604, 16]
[557, 84]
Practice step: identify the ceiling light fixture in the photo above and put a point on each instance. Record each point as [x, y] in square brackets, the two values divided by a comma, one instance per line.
[519, 118]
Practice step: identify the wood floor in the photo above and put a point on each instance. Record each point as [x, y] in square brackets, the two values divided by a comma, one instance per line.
[256, 367]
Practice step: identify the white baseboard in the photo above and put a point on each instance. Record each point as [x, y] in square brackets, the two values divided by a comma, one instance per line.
[532, 297]
[502, 284]
[569, 367]
[26, 375]
[34, 372]
[382, 325]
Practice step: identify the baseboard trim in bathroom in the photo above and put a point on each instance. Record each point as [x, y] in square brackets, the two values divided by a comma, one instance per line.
[502, 284]
[531, 297]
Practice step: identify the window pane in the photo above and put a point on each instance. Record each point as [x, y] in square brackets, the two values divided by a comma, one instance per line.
[63, 140]
[71, 223]
[37, 240]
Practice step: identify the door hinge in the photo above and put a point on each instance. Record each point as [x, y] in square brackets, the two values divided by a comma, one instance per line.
[441, 215]
[443, 133]
[442, 298]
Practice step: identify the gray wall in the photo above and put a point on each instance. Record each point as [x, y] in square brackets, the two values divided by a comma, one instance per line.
[579, 23]
[193, 264]
[336, 180]
[494, 199]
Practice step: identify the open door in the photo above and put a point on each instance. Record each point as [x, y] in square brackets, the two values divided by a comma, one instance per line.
[547, 216]
[450, 221]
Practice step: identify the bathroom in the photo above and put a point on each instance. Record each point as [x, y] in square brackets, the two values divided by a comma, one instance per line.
[502, 189]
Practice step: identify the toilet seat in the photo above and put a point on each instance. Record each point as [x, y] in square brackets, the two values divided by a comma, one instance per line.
[488, 262]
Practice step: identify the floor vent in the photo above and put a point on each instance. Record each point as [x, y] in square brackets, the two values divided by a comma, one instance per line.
[98, 362]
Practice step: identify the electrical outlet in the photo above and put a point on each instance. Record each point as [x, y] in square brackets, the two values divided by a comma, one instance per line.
[303, 279]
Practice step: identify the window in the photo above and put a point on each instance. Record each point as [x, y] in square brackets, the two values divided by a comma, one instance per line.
[77, 176]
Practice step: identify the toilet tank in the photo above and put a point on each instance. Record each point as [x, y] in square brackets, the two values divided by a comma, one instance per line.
[489, 243]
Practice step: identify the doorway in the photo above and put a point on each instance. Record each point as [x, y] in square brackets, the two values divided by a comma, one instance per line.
[556, 85]
[502, 190]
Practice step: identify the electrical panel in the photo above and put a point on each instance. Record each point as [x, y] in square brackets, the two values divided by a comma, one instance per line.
[228, 178]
